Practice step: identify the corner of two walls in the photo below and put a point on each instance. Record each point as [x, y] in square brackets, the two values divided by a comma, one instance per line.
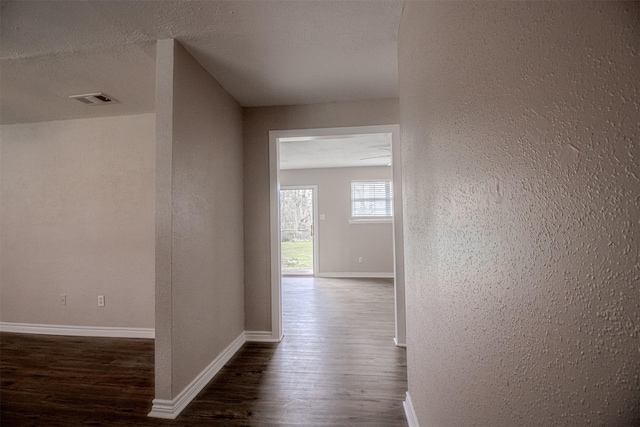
[199, 161]
[520, 155]
[199, 234]
[77, 219]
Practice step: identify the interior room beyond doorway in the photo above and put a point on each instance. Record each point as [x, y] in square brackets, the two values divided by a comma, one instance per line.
[357, 224]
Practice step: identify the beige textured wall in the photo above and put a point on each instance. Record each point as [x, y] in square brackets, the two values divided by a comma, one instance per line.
[257, 124]
[341, 243]
[520, 131]
[77, 219]
[200, 292]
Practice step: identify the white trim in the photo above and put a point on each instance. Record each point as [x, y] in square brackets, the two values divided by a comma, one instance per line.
[274, 220]
[274, 216]
[336, 131]
[399, 344]
[356, 275]
[398, 239]
[383, 220]
[170, 409]
[409, 412]
[261, 336]
[77, 331]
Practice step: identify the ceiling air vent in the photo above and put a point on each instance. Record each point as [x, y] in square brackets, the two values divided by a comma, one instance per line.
[94, 99]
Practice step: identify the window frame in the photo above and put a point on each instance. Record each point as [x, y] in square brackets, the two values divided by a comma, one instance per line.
[372, 219]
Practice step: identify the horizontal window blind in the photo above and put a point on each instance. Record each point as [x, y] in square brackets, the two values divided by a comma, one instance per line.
[371, 199]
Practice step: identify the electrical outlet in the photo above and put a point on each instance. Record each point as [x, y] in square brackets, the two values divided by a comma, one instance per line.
[100, 300]
[360, 259]
[63, 299]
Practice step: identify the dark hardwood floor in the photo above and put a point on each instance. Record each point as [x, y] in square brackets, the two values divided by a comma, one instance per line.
[337, 365]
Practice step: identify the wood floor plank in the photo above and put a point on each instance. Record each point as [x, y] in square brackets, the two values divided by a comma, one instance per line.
[336, 366]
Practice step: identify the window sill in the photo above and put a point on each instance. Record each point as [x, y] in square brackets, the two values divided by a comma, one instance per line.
[386, 220]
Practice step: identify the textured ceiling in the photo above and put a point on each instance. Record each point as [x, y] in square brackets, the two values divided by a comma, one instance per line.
[262, 52]
[335, 152]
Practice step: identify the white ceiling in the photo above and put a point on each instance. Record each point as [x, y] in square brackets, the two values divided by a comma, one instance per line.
[264, 52]
[335, 151]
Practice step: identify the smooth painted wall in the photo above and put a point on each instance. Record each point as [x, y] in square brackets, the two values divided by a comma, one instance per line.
[258, 121]
[77, 219]
[199, 253]
[340, 243]
[520, 131]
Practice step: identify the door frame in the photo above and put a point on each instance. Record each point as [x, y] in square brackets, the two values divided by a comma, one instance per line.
[316, 224]
[274, 220]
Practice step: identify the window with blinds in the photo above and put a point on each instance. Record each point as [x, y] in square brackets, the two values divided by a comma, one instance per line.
[371, 199]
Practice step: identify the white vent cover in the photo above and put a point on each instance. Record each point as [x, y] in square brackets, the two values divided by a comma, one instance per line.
[94, 99]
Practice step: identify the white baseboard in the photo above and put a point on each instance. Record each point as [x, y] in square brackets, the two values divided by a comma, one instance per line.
[357, 275]
[261, 336]
[170, 409]
[399, 344]
[410, 413]
[77, 331]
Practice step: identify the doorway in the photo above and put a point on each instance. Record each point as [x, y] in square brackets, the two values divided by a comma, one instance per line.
[275, 139]
[298, 230]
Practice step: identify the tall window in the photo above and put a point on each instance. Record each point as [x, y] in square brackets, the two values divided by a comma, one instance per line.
[371, 199]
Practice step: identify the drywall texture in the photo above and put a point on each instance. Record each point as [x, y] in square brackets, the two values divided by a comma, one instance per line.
[258, 122]
[200, 302]
[340, 243]
[77, 197]
[520, 130]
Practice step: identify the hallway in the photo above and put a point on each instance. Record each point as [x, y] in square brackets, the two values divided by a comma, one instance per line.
[337, 365]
